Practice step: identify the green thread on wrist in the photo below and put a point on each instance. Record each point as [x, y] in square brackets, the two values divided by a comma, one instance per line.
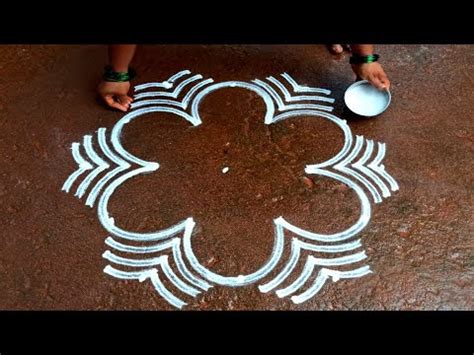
[111, 75]
[364, 59]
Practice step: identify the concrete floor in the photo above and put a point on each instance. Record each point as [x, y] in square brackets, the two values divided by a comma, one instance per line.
[419, 241]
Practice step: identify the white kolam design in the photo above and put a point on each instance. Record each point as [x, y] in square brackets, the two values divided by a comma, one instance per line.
[358, 165]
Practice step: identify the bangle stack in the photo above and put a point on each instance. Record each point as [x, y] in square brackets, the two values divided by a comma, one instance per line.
[363, 59]
[111, 75]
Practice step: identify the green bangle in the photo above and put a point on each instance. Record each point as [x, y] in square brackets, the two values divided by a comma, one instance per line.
[363, 59]
[111, 75]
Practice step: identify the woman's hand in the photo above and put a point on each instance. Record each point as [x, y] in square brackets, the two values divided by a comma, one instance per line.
[372, 72]
[115, 94]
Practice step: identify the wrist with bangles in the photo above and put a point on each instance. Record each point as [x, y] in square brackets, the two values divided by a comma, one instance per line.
[118, 77]
[363, 59]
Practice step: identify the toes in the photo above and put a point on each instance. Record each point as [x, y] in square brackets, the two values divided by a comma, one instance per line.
[336, 49]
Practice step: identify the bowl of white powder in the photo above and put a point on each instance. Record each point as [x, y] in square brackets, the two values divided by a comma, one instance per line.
[364, 99]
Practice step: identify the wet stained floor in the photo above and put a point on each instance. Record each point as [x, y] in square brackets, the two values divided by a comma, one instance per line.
[234, 175]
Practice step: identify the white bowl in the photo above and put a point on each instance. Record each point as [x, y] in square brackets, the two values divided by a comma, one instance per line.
[365, 99]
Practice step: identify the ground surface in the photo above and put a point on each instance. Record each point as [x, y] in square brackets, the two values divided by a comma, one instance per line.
[419, 241]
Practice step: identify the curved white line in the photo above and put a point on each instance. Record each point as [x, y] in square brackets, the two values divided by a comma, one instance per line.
[336, 275]
[117, 130]
[183, 104]
[108, 152]
[175, 280]
[296, 246]
[314, 289]
[83, 166]
[173, 244]
[178, 75]
[282, 106]
[193, 90]
[285, 272]
[167, 84]
[101, 166]
[299, 282]
[343, 167]
[342, 260]
[132, 262]
[300, 88]
[233, 281]
[173, 94]
[361, 167]
[76, 154]
[393, 184]
[341, 123]
[102, 210]
[357, 147]
[125, 275]
[309, 267]
[338, 248]
[178, 257]
[290, 98]
[140, 249]
[323, 275]
[108, 222]
[163, 292]
[70, 180]
[380, 154]
[161, 260]
[308, 107]
[363, 220]
[122, 166]
[232, 84]
[142, 103]
[163, 84]
[377, 167]
[272, 93]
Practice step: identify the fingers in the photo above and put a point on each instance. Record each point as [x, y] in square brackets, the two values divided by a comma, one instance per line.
[380, 80]
[386, 83]
[124, 100]
[374, 73]
[383, 79]
[109, 100]
[375, 81]
[115, 94]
